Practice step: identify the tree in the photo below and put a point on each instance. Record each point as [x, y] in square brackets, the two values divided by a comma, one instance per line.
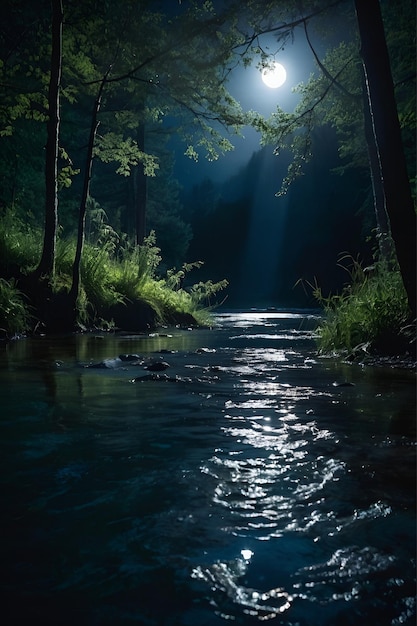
[177, 69]
[76, 268]
[388, 140]
[47, 262]
[132, 75]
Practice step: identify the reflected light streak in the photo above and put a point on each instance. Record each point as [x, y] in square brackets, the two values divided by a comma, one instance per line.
[247, 554]
[224, 577]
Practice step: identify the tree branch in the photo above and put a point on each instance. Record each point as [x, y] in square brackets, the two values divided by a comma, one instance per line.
[324, 69]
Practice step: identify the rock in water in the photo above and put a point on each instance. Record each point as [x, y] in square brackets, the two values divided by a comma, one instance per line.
[109, 364]
[129, 357]
[157, 366]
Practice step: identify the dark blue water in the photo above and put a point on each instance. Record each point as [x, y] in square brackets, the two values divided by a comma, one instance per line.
[240, 485]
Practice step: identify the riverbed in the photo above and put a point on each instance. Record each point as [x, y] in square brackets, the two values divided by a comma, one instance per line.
[242, 479]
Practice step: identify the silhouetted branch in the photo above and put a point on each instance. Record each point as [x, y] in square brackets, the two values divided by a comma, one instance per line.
[332, 79]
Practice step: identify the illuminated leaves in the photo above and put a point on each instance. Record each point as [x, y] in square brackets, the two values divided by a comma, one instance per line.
[112, 148]
[333, 95]
[67, 170]
[191, 153]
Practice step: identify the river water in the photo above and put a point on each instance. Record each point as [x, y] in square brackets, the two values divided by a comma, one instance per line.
[250, 481]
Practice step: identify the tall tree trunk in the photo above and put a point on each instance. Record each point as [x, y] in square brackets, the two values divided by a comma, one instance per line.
[140, 191]
[387, 132]
[76, 268]
[46, 265]
[384, 238]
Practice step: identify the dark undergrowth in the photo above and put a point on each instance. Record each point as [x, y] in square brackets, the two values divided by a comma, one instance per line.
[121, 286]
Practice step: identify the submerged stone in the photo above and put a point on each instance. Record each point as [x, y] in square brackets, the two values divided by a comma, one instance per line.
[106, 364]
[157, 366]
[129, 357]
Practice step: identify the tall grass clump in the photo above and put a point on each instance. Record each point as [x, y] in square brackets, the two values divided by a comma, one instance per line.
[136, 268]
[197, 301]
[98, 275]
[15, 316]
[136, 277]
[371, 310]
[20, 245]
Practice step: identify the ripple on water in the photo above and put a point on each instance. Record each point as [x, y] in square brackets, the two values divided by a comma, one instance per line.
[280, 484]
[335, 579]
[275, 494]
[225, 578]
[252, 490]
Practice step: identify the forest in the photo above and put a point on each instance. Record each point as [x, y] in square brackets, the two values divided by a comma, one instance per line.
[100, 227]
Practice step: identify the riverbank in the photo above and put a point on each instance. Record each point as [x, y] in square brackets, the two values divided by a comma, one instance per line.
[399, 353]
[404, 362]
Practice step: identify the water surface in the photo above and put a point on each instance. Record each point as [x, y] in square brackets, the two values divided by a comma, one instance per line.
[240, 485]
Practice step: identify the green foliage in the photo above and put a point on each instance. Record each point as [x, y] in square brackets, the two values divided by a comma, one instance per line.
[20, 245]
[96, 276]
[158, 65]
[126, 153]
[175, 278]
[136, 268]
[168, 302]
[203, 292]
[135, 276]
[67, 170]
[112, 272]
[334, 95]
[372, 306]
[98, 231]
[15, 316]
[197, 300]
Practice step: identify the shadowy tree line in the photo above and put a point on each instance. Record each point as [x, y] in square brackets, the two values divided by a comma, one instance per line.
[323, 215]
[103, 83]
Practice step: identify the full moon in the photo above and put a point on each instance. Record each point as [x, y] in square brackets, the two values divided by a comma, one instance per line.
[274, 76]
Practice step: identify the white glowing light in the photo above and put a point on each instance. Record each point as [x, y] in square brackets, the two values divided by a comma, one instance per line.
[274, 76]
[247, 554]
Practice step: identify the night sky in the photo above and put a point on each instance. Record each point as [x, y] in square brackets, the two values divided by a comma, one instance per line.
[247, 87]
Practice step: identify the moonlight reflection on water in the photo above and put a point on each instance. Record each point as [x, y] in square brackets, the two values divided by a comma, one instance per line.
[250, 489]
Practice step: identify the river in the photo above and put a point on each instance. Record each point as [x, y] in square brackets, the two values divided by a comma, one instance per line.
[249, 481]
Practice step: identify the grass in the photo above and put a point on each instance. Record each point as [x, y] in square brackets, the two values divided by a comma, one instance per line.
[15, 314]
[111, 273]
[19, 245]
[371, 310]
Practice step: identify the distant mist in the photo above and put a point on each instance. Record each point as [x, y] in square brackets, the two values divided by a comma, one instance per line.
[263, 244]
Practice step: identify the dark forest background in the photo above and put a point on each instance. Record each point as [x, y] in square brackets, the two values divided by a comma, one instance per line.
[265, 245]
